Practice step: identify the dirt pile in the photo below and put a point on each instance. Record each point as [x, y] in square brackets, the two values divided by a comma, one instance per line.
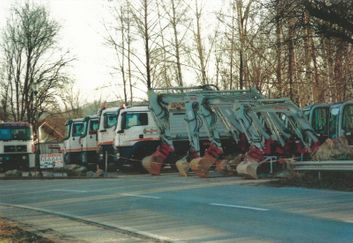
[11, 232]
[334, 149]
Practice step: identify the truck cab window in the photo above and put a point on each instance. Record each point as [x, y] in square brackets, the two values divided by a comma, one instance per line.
[84, 129]
[333, 130]
[320, 121]
[77, 129]
[347, 123]
[94, 125]
[110, 120]
[134, 119]
[67, 131]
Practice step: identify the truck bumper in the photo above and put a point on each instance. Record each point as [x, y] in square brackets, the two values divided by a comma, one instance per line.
[14, 161]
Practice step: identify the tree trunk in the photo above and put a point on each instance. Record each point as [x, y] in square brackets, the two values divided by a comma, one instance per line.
[199, 45]
[279, 54]
[291, 59]
[176, 44]
[147, 46]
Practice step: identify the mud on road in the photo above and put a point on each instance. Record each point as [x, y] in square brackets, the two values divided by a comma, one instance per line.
[11, 231]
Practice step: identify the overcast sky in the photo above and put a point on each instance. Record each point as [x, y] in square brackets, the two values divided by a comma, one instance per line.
[83, 34]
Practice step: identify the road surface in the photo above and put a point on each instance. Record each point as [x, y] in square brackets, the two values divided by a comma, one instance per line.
[138, 208]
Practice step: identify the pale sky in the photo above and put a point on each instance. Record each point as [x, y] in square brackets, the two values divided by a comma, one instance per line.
[83, 34]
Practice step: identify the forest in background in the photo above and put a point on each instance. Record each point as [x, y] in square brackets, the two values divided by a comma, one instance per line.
[297, 49]
[301, 49]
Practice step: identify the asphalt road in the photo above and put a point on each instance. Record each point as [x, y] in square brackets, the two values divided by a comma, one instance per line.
[190, 209]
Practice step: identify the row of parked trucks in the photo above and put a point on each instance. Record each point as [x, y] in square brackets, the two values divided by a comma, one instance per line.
[197, 125]
[201, 126]
[115, 138]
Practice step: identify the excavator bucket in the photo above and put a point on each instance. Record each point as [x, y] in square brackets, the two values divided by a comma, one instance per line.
[194, 164]
[202, 165]
[248, 169]
[221, 166]
[252, 159]
[153, 163]
[183, 167]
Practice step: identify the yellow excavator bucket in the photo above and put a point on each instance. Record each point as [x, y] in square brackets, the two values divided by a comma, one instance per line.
[248, 169]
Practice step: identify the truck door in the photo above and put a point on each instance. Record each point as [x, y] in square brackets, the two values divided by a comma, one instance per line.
[92, 134]
[132, 127]
[68, 126]
[77, 130]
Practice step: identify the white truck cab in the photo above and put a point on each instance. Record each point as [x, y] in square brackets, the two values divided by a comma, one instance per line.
[136, 136]
[72, 143]
[88, 140]
[107, 123]
[16, 145]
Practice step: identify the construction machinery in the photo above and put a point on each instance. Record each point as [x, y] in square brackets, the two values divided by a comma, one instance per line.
[16, 145]
[182, 132]
[257, 127]
[331, 120]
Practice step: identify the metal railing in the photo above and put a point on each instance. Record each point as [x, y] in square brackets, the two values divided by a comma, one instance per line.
[329, 165]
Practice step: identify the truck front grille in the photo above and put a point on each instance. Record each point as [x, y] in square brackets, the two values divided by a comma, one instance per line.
[15, 148]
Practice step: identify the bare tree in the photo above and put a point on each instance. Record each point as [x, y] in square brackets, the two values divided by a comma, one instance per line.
[71, 102]
[33, 67]
[179, 24]
[141, 20]
[199, 43]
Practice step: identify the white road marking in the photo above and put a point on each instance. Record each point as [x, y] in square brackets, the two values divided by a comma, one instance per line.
[141, 196]
[67, 190]
[238, 206]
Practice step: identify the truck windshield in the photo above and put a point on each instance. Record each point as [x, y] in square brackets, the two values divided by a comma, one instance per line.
[77, 129]
[15, 133]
